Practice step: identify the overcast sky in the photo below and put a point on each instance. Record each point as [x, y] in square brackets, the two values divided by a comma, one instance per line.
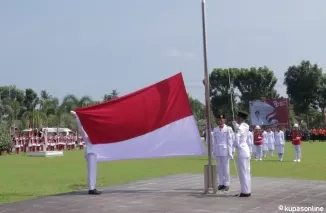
[92, 47]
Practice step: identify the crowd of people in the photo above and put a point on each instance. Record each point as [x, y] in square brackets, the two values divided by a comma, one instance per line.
[312, 135]
[37, 140]
[270, 140]
[264, 140]
[249, 143]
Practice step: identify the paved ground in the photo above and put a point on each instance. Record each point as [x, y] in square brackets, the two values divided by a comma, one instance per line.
[181, 194]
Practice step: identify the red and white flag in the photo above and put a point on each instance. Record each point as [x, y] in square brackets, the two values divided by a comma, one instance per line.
[153, 122]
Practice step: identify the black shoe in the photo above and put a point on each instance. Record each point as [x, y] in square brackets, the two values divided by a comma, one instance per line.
[243, 195]
[226, 188]
[94, 192]
[220, 187]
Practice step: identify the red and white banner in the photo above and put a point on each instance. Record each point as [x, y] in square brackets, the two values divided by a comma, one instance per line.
[153, 122]
[269, 112]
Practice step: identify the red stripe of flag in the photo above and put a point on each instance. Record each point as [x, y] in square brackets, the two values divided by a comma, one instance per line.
[138, 113]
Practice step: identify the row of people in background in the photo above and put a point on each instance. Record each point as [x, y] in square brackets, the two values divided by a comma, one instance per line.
[273, 139]
[312, 135]
[36, 142]
[318, 134]
[257, 143]
[263, 141]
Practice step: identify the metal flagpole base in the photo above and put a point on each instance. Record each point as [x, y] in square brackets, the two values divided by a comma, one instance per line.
[210, 180]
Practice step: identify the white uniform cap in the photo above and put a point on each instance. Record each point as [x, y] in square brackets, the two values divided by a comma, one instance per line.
[296, 126]
[257, 127]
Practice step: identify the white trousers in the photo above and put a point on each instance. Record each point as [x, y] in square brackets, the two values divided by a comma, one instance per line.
[254, 149]
[297, 151]
[265, 146]
[223, 170]
[270, 146]
[91, 170]
[244, 175]
[259, 151]
[279, 148]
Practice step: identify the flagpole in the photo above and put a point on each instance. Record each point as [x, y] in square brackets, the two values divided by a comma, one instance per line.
[210, 169]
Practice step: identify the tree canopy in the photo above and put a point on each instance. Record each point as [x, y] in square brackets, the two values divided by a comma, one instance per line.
[305, 85]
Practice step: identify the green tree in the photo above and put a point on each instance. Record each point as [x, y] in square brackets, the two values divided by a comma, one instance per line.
[303, 83]
[34, 119]
[71, 102]
[31, 100]
[255, 84]
[114, 94]
[197, 108]
[13, 93]
[221, 88]
[5, 141]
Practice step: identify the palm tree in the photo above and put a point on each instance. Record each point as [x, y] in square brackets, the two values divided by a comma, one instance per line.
[50, 106]
[33, 119]
[71, 102]
[114, 94]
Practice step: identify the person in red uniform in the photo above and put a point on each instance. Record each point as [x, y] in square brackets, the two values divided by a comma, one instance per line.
[258, 143]
[296, 141]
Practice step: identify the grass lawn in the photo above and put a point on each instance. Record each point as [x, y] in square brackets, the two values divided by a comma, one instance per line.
[24, 177]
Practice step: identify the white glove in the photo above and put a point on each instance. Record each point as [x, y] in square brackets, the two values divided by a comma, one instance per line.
[235, 125]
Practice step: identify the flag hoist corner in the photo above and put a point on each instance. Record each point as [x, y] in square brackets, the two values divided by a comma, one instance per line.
[153, 122]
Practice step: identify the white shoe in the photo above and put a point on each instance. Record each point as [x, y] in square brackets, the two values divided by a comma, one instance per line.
[256, 159]
[260, 159]
[295, 160]
[298, 160]
[281, 159]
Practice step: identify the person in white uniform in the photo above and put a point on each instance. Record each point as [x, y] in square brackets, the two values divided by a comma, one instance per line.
[243, 153]
[91, 170]
[279, 143]
[222, 140]
[90, 158]
[265, 144]
[270, 141]
[233, 143]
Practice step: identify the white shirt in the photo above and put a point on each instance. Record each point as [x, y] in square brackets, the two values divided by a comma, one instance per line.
[222, 140]
[241, 144]
[279, 138]
[265, 137]
[270, 137]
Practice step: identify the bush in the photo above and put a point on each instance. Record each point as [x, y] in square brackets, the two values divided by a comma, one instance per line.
[5, 140]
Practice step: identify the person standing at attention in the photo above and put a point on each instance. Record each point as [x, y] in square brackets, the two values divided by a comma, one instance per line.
[279, 143]
[258, 143]
[243, 154]
[296, 141]
[222, 140]
[270, 141]
[265, 144]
